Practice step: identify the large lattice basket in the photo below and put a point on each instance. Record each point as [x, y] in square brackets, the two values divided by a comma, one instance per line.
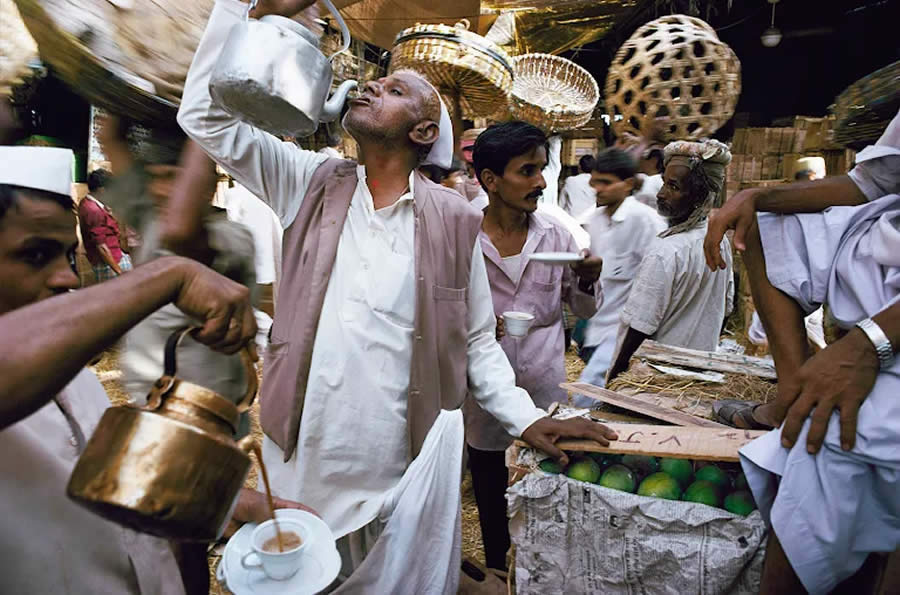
[674, 67]
[552, 93]
[865, 108]
[459, 62]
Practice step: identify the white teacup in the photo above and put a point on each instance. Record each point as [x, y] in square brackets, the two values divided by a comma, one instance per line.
[517, 324]
[277, 565]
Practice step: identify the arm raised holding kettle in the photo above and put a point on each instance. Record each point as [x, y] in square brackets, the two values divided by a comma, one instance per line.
[47, 343]
[278, 172]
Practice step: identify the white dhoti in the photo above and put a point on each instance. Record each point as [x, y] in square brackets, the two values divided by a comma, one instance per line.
[832, 509]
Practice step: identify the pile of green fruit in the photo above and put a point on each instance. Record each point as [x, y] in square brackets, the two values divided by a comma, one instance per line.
[671, 479]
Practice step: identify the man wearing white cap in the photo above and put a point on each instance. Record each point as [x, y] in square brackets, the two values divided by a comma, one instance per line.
[384, 322]
[51, 403]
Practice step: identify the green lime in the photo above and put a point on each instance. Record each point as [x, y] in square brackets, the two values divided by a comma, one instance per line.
[641, 464]
[704, 492]
[740, 502]
[660, 485]
[740, 482]
[715, 475]
[550, 466]
[584, 469]
[618, 477]
[680, 469]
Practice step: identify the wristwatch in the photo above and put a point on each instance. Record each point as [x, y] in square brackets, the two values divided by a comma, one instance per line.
[882, 344]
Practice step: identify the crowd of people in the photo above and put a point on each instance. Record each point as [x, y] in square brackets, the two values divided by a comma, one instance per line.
[374, 291]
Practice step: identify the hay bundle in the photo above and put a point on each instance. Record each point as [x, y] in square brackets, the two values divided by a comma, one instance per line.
[677, 68]
[641, 378]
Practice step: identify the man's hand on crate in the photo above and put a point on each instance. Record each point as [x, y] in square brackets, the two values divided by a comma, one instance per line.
[545, 432]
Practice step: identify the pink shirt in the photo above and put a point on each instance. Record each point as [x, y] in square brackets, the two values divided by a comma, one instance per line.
[538, 359]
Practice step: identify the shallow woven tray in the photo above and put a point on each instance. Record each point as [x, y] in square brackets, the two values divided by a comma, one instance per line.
[552, 93]
[460, 61]
[677, 68]
[87, 73]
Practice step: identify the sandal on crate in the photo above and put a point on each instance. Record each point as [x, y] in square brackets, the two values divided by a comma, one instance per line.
[475, 579]
[739, 414]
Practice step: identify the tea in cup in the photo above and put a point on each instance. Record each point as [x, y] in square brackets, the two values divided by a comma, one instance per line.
[517, 324]
[280, 560]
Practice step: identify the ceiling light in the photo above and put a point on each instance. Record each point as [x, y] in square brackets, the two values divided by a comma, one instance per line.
[771, 36]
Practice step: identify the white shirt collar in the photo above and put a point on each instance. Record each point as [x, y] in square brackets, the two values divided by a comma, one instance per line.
[367, 194]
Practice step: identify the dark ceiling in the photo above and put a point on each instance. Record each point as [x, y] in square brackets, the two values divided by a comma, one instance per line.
[827, 45]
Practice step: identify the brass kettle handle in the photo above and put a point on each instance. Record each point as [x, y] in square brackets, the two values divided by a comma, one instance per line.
[170, 366]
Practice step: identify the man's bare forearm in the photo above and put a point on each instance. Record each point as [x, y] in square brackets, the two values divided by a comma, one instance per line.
[630, 344]
[810, 197]
[46, 344]
[106, 255]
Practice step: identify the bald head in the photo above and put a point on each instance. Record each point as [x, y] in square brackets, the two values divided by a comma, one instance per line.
[400, 111]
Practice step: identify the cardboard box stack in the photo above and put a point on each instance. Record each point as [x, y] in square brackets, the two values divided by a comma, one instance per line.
[767, 156]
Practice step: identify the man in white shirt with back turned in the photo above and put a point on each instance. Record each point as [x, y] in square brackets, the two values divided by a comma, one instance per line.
[384, 322]
[622, 231]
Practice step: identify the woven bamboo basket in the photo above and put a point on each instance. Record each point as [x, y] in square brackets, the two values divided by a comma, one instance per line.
[457, 60]
[17, 47]
[676, 68]
[865, 108]
[552, 93]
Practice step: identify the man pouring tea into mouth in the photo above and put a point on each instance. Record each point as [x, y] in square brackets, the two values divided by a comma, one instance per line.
[385, 322]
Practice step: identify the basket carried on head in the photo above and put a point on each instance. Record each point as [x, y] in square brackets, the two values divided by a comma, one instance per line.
[865, 108]
[17, 47]
[552, 93]
[677, 68]
[455, 59]
[131, 58]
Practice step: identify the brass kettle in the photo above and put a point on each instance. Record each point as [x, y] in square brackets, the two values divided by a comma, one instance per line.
[171, 468]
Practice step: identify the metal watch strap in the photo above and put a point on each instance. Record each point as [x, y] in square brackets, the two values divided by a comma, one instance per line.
[879, 340]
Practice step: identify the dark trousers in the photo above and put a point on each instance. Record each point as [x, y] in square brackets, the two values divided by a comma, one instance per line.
[489, 479]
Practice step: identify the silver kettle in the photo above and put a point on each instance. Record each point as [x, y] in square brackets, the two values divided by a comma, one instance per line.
[272, 75]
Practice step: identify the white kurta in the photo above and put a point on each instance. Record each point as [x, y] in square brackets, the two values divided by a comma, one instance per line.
[577, 197]
[675, 298]
[831, 509]
[621, 241]
[352, 447]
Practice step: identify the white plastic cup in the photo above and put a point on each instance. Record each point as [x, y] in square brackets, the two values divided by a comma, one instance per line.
[278, 566]
[517, 324]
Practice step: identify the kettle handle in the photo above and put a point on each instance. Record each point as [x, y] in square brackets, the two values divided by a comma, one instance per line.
[345, 31]
[170, 365]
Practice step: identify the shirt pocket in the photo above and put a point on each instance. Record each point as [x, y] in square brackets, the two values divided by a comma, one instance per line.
[544, 300]
[621, 267]
[450, 308]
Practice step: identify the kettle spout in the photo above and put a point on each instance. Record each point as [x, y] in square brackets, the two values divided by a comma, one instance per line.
[332, 108]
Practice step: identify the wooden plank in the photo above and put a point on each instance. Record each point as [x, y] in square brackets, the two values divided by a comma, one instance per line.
[704, 444]
[639, 405]
[707, 360]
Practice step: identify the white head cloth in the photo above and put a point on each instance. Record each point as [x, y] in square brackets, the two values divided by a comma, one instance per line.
[441, 153]
[41, 168]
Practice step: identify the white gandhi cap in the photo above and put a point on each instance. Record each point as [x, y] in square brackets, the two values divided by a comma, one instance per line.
[40, 168]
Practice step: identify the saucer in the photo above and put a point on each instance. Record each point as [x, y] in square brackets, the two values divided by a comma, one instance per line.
[319, 566]
[559, 258]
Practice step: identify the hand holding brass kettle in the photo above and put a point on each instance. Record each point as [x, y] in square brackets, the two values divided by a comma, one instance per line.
[171, 468]
[271, 74]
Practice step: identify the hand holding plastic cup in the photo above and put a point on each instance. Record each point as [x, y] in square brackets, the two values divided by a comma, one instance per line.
[517, 324]
[277, 565]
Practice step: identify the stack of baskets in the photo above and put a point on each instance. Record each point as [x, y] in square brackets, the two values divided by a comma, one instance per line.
[865, 108]
[676, 68]
[548, 91]
[459, 61]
